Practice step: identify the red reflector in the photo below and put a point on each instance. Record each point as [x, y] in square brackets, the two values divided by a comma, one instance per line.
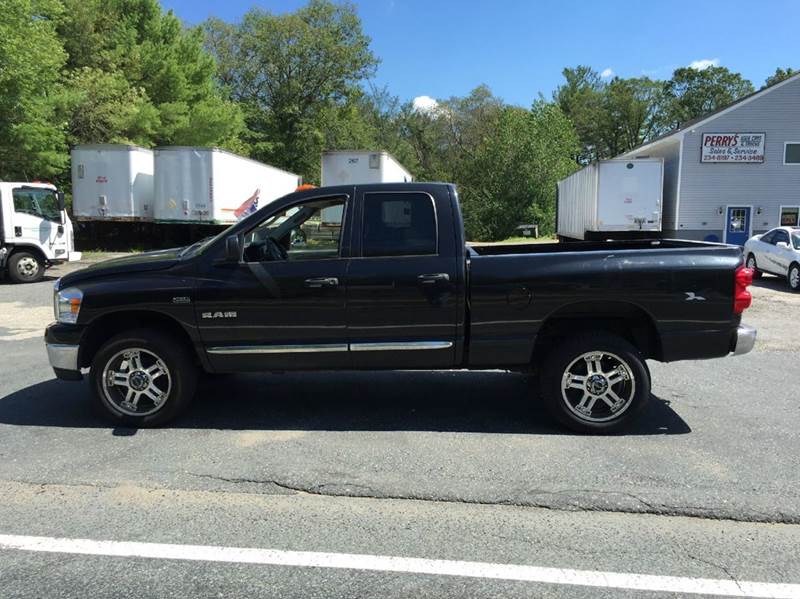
[741, 296]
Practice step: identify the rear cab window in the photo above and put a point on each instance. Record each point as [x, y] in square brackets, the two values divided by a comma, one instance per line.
[399, 224]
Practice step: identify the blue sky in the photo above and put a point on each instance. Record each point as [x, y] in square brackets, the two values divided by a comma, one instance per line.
[441, 48]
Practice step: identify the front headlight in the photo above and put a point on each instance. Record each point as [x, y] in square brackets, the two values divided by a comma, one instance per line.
[67, 305]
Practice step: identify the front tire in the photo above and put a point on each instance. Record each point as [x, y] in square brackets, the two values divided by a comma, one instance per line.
[143, 378]
[596, 383]
[793, 277]
[753, 265]
[25, 267]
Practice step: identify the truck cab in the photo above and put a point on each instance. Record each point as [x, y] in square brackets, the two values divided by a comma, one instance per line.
[35, 231]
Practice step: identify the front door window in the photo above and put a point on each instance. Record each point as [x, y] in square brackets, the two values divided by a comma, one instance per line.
[737, 220]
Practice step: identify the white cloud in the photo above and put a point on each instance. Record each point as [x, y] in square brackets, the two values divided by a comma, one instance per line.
[704, 63]
[425, 104]
[607, 73]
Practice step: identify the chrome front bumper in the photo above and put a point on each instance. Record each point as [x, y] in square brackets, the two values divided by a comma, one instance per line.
[745, 340]
[63, 357]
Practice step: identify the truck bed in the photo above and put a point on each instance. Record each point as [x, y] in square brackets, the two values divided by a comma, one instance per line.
[682, 290]
[504, 249]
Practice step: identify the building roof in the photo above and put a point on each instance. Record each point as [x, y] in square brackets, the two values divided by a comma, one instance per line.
[702, 120]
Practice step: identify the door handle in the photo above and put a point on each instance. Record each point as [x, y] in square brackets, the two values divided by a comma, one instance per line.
[320, 282]
[432, 279]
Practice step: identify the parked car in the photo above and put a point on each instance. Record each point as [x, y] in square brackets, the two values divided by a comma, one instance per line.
[776, 252]
[397, 288]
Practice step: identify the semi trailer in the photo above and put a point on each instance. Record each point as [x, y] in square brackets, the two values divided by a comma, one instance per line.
[611, 199]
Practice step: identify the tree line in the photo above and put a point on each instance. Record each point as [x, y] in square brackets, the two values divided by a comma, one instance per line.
[281, 88]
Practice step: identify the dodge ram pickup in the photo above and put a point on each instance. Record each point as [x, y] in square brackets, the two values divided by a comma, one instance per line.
[393, 285]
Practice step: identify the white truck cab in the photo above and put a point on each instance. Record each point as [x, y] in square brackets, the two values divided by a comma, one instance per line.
[35, 231]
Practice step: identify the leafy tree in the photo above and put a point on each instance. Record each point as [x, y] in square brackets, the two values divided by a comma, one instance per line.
[103, 107]
[692, 93]
[292, 73]
[510, 178]
[384, 115]
[633, 112]
[31, 137]
[779, 75]
[135, 74]
[610, 117]
[581, 98]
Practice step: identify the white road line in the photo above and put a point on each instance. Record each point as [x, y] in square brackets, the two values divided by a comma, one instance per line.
[412, 565]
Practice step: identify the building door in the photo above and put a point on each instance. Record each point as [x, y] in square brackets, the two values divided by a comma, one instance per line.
[737, 225]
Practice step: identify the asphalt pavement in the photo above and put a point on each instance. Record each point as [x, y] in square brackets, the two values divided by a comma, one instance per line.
[441, 468]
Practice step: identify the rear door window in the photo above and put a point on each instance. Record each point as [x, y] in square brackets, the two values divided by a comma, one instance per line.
[399, 224]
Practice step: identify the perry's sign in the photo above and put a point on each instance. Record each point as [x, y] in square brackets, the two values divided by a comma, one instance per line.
[732, 147]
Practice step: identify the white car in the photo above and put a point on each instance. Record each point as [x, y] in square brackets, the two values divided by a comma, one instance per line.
[776, 252]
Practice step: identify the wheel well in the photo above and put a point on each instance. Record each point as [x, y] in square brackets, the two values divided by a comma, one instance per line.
[106, 327]
[31, 249]
[618, 318]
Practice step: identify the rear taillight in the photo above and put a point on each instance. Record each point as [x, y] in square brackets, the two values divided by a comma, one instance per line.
[741, 296]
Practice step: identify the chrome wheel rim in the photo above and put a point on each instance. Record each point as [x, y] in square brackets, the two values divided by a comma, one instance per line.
[136, 382]
[598, 386]
[28, 267]
[794, 277]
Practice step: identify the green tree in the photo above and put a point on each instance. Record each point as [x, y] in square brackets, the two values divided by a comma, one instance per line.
[692, 93]
[292, 73]
[610, 117]
[134, 73]
[581, 98]
[510, 178]
[780, 75]
[31, 136]
[103, 107]
[633, 112]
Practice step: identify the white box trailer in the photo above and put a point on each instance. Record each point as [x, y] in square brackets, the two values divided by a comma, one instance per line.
[112, 182]
[213, 186]
[354, 167]
[615, 198]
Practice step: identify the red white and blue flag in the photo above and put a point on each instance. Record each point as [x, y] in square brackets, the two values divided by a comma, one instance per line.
[250, 205]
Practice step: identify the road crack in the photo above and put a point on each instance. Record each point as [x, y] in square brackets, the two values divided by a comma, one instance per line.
[721, 567]
[572, 500]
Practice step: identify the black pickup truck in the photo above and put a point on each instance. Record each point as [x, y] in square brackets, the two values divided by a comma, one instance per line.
[391, 284]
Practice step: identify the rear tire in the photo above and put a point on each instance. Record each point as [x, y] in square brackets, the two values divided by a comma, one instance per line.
[25, 267]
[143, 378]
[596, 383]
[752, 264]
[793, 278]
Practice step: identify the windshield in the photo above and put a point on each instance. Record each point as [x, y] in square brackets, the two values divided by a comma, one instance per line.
[37, 201]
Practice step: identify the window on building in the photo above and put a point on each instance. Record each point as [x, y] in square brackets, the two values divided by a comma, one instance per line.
[790, 216]
[791, 152]
[399, 224]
